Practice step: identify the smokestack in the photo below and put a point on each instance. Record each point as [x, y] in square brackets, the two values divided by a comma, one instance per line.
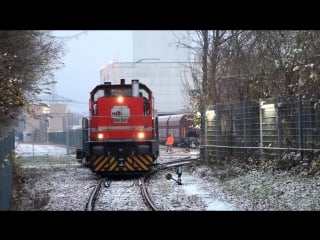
[135, 87]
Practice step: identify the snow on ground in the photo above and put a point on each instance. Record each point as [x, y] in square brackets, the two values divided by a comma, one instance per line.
[198, 187]
[253, 191]
[30, 150]
[193, 187]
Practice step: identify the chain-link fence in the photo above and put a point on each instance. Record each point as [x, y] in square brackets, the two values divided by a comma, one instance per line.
[72, 139]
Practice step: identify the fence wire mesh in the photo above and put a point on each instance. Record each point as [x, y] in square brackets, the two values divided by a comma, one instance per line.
[268, 128]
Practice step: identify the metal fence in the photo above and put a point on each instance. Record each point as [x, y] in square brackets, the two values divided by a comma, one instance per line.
[71, 139]
[266, 128]
[6, 170]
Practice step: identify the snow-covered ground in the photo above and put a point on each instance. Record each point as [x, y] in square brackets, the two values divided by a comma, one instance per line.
[30, 150]
[65, 188]
[194, 186]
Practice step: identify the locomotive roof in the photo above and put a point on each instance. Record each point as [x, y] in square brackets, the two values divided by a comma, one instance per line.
[118, 86]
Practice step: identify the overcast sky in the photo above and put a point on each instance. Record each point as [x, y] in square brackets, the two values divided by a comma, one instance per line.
[86, 53]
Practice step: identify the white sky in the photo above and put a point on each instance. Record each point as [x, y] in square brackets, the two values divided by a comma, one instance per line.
[85, 55]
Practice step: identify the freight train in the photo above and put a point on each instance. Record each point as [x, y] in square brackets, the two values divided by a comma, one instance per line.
[181, 127]
[120, 136]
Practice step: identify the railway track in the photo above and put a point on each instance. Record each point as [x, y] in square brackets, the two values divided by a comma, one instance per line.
[94, 195]
[144, 195]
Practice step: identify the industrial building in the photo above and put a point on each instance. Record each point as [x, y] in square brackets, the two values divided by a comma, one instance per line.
[157, 62]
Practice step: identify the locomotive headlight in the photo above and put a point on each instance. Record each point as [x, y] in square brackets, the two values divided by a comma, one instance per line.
[120, 99]
[100, 136]
[141, 135]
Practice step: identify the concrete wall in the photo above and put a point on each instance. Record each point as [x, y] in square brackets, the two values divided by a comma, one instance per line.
[163, 78]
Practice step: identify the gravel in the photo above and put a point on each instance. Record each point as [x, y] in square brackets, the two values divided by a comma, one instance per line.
[66, 186]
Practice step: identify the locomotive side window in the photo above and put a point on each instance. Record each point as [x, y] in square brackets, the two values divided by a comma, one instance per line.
[146, 105]
[98, 94]
[95, 108]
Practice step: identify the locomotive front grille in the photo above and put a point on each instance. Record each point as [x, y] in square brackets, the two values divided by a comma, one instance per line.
[131, 163]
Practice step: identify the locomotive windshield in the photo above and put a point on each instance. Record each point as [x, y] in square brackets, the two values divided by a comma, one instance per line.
[107, 92]
[121, 92]
[117, 91]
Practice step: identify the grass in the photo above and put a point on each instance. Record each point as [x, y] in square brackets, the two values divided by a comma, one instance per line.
[47, 160]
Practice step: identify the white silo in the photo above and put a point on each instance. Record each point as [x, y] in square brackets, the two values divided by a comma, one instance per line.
[158, 45]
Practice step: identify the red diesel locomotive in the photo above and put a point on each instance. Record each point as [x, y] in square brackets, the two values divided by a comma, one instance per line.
[120, 136]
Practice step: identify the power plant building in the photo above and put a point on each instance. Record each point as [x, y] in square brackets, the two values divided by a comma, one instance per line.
[159, 64]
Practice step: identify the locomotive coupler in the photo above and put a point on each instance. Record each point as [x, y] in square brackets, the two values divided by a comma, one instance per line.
[121, 162]
[121, 158]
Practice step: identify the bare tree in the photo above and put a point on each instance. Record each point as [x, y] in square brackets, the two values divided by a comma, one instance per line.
[241, 65]
[287, 62]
